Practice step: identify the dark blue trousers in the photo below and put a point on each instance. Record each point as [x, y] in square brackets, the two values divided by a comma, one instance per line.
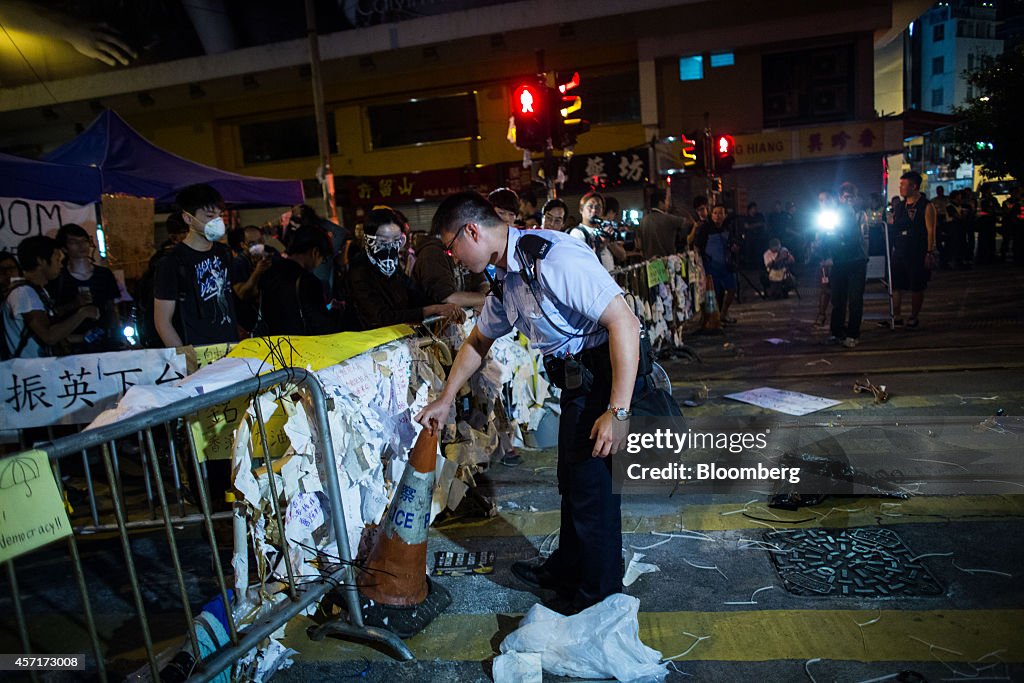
[589, 555]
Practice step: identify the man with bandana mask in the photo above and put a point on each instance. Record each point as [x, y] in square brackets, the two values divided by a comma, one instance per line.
[377, 289]
[193, 302]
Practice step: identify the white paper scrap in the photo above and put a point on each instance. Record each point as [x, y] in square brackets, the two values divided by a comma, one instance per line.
[788, 402]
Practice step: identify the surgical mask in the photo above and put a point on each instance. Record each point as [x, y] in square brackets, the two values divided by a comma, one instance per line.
[214, 229]
[383, 253]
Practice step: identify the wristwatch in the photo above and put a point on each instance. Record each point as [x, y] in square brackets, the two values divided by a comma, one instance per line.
[621, 414]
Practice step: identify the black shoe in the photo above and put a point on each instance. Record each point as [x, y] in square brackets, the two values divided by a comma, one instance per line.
[536, 576]
[563, 605]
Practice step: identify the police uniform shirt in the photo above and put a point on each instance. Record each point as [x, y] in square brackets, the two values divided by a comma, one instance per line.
[574, 289]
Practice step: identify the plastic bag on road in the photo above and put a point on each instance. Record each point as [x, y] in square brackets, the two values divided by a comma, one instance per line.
[517, 667]
[602, 641]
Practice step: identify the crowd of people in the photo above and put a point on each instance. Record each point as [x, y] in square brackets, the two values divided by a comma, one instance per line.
[206, 284]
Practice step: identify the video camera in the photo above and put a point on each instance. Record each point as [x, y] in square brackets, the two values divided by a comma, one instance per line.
[616, 232]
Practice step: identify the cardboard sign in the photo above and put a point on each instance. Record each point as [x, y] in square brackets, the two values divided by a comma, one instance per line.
[32, 513]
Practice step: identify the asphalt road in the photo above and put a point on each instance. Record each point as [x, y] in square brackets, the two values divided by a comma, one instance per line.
[964, 361]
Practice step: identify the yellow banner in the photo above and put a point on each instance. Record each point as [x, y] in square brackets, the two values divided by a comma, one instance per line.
[316, 352]
[31, 510]
[842, 140]
[763, 148]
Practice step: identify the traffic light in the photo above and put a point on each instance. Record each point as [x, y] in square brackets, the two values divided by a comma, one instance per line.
[566, 126]
[530, 125]
[692, 151]
[724, 153]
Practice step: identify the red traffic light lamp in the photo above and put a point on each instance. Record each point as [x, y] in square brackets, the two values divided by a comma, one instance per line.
[725, 153]
[530, 124]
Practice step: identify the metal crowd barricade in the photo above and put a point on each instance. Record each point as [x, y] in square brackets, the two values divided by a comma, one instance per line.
[123, 512]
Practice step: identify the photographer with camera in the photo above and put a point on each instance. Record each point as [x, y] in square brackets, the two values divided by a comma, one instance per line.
[777, 279]
[604, 240]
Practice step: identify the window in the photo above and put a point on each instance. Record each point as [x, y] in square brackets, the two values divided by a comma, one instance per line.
[723, 59]
[937, 97]
[970, 92]
[938, 65]
[808, 86]
[938, 33]
[970, 62]
[417, 121]
[691, 68]
[293, 138]
[610, 98]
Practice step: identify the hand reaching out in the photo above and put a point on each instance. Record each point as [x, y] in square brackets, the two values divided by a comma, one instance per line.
[101, 42]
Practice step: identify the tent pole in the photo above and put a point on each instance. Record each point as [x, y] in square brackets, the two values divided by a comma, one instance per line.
[325, 174]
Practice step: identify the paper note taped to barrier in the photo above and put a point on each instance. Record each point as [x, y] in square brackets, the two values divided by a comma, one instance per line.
[788, 402]
[31, 510]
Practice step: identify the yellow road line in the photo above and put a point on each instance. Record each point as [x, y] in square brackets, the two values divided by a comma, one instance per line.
[735, 636]
[835, 513]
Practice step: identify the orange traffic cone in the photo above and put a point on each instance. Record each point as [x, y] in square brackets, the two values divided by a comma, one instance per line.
[395, 570]
[711, 319]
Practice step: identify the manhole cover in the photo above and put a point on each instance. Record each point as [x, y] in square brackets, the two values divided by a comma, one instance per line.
[867, 562]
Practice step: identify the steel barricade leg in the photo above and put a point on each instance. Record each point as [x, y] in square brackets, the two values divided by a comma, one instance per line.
[76, 565]
[115, 491]
[349, 589]
[171, 544]
[19, 615]
[173, 456]
[275, 502]
[92, 492]
[204, 502]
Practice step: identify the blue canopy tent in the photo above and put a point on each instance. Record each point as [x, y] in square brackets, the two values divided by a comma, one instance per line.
[42, 181]
[128, 163]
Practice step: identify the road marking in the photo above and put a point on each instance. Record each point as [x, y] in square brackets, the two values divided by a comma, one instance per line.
[758, 635]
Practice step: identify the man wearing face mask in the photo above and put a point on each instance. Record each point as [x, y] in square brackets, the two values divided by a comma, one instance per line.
[377, 289]
[193, 302]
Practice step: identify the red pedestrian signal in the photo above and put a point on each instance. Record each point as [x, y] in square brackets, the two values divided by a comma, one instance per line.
[526, 97]
[529, 127]
[725, 147]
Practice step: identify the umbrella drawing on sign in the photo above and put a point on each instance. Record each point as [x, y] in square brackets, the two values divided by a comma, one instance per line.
[18, 470]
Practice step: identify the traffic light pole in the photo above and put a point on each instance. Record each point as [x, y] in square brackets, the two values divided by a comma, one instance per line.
[325, 174]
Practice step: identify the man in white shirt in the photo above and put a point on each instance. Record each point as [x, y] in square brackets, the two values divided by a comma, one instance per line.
[30, 324]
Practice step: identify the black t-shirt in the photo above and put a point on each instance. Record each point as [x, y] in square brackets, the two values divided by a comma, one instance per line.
[292, 302]
[198, 281]
[103, 285]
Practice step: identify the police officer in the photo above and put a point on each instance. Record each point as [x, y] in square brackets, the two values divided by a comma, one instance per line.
[552, 288]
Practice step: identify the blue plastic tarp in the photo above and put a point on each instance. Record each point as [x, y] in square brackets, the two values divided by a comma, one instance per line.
[42, 181]
[129, 163]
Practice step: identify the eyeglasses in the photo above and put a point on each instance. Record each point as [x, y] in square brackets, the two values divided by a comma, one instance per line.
[448, 247]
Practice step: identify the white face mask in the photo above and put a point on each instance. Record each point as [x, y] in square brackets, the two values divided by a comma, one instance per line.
[214, 229]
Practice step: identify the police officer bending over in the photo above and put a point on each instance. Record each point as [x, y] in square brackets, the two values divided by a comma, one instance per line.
[553, 289]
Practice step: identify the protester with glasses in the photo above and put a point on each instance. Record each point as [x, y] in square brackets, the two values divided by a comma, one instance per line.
[379, 293]
[554, 214]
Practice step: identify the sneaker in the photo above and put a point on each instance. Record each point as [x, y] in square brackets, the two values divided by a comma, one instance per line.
[512, 459]
[728, 321]
[898, 322]
[849, 342]
[832, 340]
[913, 322]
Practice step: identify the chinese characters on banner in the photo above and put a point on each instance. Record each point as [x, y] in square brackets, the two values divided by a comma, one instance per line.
[607, 171]
[35, 392]
[818, 142]
[406, 188]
